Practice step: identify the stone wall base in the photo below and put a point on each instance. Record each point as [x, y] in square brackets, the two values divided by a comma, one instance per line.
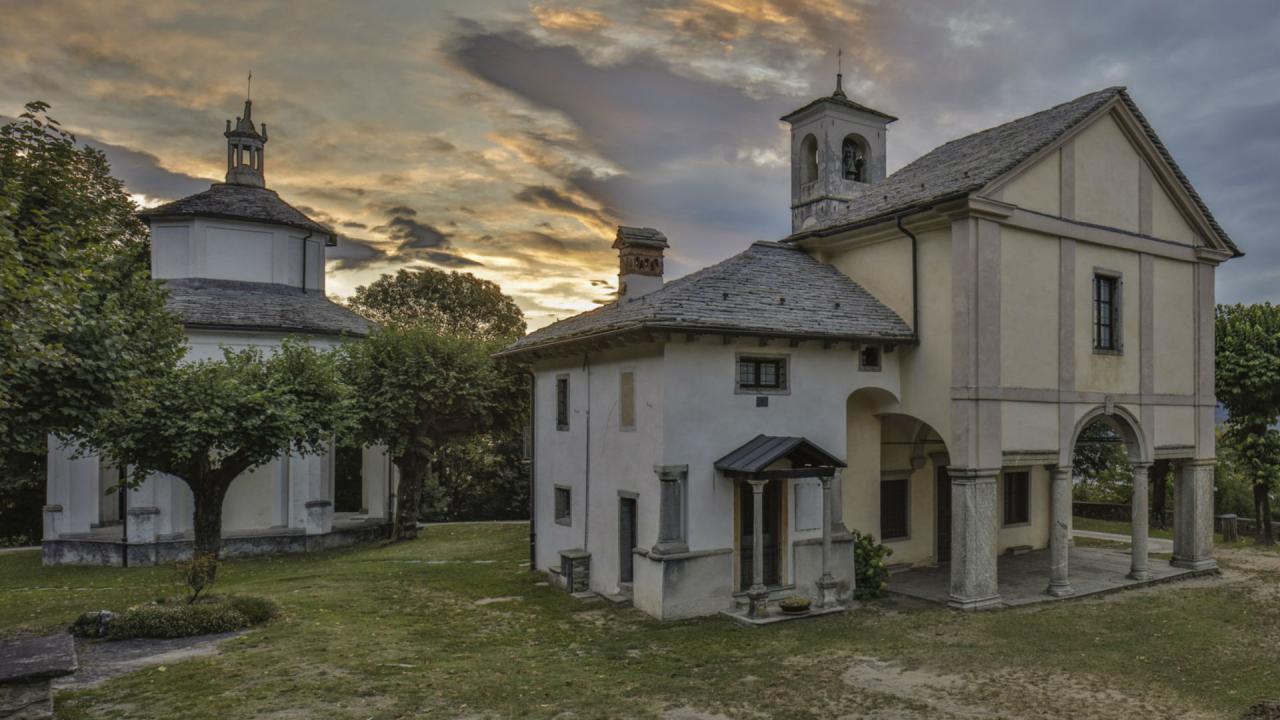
[683, 585]
[73, 551]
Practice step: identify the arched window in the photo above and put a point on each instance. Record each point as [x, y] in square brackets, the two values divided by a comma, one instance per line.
[808, 159]
[854, 159]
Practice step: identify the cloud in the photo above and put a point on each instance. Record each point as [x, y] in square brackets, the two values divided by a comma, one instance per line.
[410, 233]
[548, 198]
[350, 253]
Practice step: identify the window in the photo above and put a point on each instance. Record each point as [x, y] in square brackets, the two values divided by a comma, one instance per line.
[1106, 313]
[562, 402]
[762, 374]
[562, 506]
[627, 401]
[1017, 498]
[869, 358]
[893, 509]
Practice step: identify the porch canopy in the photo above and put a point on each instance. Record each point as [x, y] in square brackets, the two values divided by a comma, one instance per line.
[751, 464]
[752, 460]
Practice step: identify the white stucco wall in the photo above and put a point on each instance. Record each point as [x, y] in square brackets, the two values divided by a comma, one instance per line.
[235, 250]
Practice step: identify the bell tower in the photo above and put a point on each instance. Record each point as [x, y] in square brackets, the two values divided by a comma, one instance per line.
[244, 150]
[837, 155]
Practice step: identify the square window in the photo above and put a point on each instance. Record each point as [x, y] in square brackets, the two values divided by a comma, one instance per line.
[1017, 498]
[893, 509]
[563, 508]
[869, 358]
[762, 374]
[562, 402]
[1106, 312]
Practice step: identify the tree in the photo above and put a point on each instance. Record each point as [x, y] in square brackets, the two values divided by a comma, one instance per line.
[417, 389]
[453, 302]
[1101, 462]
[81, 320]
[207, 422]
[1248, 386]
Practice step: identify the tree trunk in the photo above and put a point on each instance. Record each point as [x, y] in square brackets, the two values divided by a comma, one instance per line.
[408, 496]
[208, 496]
[1268, 532]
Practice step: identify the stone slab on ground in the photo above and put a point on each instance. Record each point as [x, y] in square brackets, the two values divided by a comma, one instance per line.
[26, 667]
[102, 660]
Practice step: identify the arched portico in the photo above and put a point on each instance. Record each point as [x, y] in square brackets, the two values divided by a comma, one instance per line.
[1139, 451]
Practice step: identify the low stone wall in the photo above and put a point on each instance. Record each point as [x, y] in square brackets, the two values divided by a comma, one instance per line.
[86, 551]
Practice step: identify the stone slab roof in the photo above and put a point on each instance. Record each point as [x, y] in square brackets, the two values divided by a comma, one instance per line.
[769, 289]
[237, 202]
[236, 305]
[965, 165]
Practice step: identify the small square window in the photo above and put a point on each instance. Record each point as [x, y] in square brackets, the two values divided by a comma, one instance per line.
[563, 507]
[562, 402]
[869, 358]
[762, 374]
[893, 509]
[1017, 498]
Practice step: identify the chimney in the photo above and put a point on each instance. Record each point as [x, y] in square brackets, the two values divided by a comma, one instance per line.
[639, 261]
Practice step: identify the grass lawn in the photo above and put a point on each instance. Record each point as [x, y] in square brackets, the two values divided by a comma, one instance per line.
[1119, 527]
[454, 625]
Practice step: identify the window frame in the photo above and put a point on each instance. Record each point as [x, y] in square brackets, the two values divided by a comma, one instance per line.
[783, 371]
[566, 492]
[563, 410]
[863, 365]
[1115, 311]
[1023, 476]
[624, 399]
[903, 477]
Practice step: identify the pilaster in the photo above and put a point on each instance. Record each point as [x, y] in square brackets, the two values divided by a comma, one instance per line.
[973, 539]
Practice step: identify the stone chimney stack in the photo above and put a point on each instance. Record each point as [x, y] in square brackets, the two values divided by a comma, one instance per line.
[639, 261]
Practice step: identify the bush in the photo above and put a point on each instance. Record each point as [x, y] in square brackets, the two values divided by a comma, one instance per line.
[198, 574]
[871, 571]
[182, 619]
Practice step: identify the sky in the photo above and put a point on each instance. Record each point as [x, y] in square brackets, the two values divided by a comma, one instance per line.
[509, 139]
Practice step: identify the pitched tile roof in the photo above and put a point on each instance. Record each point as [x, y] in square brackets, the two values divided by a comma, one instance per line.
[239, 202]
[758, 453]
[769, 289]
[962, 166]
[237, 305]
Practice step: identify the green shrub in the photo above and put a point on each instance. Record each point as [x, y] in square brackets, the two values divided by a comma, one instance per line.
[256, 609]
[871, 570]
[182, 619]
[197, 574]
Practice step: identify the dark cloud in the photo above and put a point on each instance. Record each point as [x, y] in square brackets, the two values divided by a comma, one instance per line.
[439, 145]
[549, 198]
[447, 259]
[351, 253]
[143, 174]
[412, 234]
[355, 225]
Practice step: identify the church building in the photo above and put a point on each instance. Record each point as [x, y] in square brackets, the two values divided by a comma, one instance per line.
[243, 269]
[915, 361]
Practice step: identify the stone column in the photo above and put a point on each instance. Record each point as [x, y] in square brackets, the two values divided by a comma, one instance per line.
[1059, 532]
[973, 539]
[1140, 517]
[827, 584]
[671, 538]
[1193, 533]
[757, 595]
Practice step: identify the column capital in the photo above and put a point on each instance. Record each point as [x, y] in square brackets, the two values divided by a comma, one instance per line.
[1142, 465]
[757, 484]
[671, 473]
[972, 476]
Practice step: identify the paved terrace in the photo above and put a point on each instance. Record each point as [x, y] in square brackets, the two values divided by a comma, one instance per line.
[1024, 578]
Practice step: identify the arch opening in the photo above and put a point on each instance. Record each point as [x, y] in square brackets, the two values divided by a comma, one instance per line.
[854, 158]
[808, 159]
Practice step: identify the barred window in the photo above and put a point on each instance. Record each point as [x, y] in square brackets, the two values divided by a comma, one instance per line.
[759, 373]
[562, 402]
[1106, 313]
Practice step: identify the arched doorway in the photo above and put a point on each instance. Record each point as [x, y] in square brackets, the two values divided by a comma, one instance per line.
[1107, 427]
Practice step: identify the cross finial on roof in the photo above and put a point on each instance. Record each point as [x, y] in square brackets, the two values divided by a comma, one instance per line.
[839, 74]
[248, 90]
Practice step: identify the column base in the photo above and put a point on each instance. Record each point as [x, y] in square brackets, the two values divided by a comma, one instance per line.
[1139, 575]
[828, 592]
[758, 602]
[991, 602]
[1206, 564]
[669, 548]
[1064, 590]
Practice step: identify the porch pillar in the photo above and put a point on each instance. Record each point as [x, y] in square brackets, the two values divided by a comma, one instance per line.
[827, 584]
[1193, 526]
[1059, 537]
[671, 538]
[1140, 518]
[757, 594]
[973, 539]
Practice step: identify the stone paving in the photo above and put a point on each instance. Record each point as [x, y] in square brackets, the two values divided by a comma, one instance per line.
[1023, 579]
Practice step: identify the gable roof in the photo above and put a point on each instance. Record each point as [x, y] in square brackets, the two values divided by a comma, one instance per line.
[237, 202]
[758, 453]
[968, 164]
[768, 289]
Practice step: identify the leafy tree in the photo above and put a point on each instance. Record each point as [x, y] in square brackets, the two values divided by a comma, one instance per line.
[207, 422]
[453, 302]
[81, 320]
[1248, 386]
[416, 390]
[1101, 463]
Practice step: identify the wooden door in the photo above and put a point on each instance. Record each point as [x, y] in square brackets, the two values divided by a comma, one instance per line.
[626, 539]
[943, 524]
